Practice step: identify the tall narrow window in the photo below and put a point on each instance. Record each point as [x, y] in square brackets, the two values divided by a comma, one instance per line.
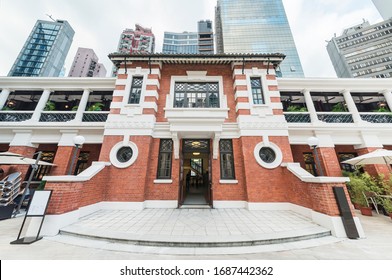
[226, 159]
[165, 159]
[136, 90]
[257, 91]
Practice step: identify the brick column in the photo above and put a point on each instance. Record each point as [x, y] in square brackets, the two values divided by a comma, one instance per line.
[26, 151]
[373, 169]
[329, 161]
[62, 160]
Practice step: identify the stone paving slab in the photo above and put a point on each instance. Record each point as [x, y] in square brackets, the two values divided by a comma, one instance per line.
[196, 227]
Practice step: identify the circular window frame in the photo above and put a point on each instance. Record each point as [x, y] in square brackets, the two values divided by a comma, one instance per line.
[278, 153]
[116, 148]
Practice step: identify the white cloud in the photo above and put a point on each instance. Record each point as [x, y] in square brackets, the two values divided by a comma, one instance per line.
[98, 24]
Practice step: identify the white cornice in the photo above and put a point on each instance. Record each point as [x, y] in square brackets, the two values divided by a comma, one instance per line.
[32, 83]
[334, 84]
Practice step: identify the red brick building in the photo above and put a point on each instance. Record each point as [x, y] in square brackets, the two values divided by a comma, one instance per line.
[207, 130]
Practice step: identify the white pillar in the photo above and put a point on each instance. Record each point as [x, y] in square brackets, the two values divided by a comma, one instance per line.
[388, 98]
[41, 105]
[82, 105]
[352, 108]
[4, 97]
[310, 106]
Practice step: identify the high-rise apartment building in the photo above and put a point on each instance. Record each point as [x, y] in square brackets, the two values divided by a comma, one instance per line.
[206, 37]
[45, 50]
[201, 41]
[140, 40]
[256, 26]
[363, 51]
[180, 43]
[384, 7]
[86, 64]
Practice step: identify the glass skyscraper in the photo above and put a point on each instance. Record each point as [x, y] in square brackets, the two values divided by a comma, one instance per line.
[256, 26]
[45, 50]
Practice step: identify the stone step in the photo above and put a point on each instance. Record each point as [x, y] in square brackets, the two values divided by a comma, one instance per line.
[195, 241]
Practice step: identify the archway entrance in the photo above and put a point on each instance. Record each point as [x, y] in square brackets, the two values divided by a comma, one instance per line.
[195, 173]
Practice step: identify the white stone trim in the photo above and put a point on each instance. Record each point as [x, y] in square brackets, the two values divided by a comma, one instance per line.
[163, 181]
[86, 175]
[240, 82]
[242, 105]
[221, 204]
[275, 148]
[117, 147]
[153, 82]
[241, 93]
[164, 204]
[152, 93]
[228, 182]
[150, 105]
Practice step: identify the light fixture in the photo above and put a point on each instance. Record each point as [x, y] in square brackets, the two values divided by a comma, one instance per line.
[313, 142]
[78, 141]
[195, 144]
[196, 153]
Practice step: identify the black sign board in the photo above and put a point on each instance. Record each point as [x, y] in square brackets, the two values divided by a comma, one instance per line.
[345, 213]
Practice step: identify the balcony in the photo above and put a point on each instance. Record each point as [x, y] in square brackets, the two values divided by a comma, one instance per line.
[377, 117]
[57, 116]
[15, 116]
[297, 117]
[335, 117]
[95, 116]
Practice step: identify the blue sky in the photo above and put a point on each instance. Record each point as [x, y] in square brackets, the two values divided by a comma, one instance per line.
[98, 24]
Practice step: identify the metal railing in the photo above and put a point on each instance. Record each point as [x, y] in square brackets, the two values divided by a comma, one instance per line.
[57, 116]
[95, 116]
[335, 117]
[296, 117]
[12, 116]
[377, 117]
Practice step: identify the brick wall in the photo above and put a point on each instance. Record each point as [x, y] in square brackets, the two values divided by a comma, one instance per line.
[21, 150]
[127, 184]
[373, 169]
[62, 160]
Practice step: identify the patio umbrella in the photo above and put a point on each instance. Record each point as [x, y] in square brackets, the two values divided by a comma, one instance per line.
[19, 160]
[380, 156]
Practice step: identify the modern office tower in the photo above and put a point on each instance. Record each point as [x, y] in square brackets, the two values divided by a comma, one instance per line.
[256, 26]
[86, 64]
[140, 40]
[384, 7]
[45, 50]
[206, 37]
[363, 51]
[180, 43]
[201, 41]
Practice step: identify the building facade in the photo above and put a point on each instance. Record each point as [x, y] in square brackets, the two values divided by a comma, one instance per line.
[45, 50]
[86, 64]
[217, 128]
[384, 7]
[363, 51]
[201, 41]
[138, 40]
[206, 37]
[185, 43]
[256, 26]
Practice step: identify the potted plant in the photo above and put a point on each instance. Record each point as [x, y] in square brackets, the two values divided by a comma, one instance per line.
[359, 186]
[49, 106]
[96, 107]
[339, 107]
[295, 108]
[387, 204]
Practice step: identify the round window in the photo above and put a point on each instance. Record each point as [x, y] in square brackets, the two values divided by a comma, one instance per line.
[267, 154]
[124, 154]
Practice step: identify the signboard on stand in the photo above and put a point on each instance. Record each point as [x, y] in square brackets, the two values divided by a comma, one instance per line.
[36, 211]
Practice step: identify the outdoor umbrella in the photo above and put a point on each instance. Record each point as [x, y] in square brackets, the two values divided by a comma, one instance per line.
[380, 156]
[18, 160]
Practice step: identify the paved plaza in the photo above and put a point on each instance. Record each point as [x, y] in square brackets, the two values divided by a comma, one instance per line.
[118, 228]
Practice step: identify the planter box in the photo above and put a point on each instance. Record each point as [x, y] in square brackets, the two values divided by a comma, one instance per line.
[366, 211]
